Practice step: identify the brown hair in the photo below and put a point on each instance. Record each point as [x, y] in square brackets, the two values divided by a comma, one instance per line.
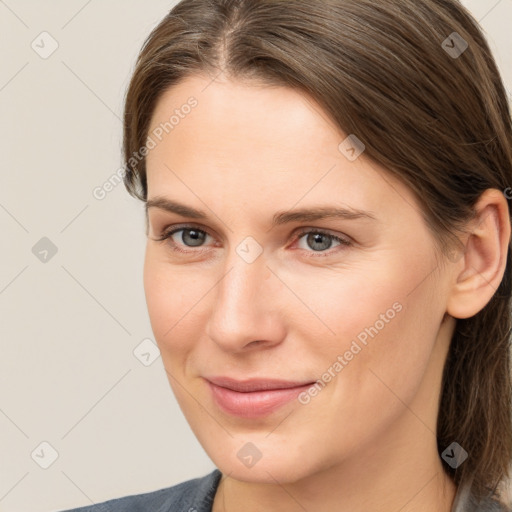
[438, 121]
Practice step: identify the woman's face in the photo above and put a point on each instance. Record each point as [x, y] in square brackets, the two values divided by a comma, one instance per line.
[258, 289]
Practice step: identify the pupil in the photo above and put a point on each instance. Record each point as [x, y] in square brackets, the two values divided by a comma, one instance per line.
[195, 236]
[317, 238]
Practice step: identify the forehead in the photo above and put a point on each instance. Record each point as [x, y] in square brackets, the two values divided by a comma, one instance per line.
[252, 144]
[241, 113]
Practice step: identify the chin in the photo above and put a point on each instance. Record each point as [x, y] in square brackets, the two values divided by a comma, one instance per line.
[270, 472]
[277, 462]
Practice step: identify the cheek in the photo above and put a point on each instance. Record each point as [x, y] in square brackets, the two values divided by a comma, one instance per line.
[369, 313]
[382, 316]
[386, 331]
[171, 294]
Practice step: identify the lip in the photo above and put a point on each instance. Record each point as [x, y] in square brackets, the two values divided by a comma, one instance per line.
[254, 398]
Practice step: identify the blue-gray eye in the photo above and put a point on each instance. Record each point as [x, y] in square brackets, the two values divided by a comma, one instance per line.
[194, 237]
[319, 241]
[322, 241]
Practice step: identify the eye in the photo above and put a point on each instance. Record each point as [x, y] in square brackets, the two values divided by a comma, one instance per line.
[319, 241]
[190, 237]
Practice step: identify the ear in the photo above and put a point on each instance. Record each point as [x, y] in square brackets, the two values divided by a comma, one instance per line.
[479, 272]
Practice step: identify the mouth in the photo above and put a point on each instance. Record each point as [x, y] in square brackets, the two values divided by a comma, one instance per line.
[253, 398]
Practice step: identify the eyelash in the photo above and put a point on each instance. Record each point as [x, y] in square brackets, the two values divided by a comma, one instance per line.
[166, 235]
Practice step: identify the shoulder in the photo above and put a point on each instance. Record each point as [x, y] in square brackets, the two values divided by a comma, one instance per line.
[191, 496]
[465, 501]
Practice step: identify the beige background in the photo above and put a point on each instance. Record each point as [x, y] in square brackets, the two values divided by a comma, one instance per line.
[69, 326]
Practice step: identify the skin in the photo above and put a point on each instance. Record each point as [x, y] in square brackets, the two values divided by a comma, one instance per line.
[367, 440]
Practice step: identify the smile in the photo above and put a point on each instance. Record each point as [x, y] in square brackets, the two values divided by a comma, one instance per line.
[253, 398]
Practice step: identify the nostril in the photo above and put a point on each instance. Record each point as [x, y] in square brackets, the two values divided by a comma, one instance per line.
[255, 342]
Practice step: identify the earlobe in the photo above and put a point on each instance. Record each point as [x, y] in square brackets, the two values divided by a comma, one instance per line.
[480, 271]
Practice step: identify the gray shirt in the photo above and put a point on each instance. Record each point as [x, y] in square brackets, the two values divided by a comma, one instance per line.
[197, 496]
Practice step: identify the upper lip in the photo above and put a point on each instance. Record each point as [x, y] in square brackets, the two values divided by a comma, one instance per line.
[248, 385]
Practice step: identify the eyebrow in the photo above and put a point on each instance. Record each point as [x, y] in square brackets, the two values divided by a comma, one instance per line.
[279, 218]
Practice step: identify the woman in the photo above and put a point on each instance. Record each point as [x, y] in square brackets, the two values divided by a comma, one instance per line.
[328, 271]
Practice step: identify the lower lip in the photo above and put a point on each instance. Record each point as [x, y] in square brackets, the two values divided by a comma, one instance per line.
[253, 404]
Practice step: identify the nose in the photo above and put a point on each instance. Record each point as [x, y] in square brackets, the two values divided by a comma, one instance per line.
[245, 314]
